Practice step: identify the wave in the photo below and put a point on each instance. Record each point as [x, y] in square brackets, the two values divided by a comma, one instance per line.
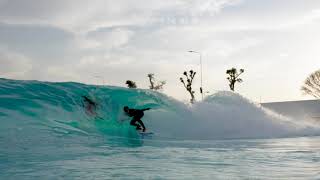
[34, 107]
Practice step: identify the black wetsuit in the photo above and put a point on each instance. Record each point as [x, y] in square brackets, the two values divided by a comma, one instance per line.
[137, 114]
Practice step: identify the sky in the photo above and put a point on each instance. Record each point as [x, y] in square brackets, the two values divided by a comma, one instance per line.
[276, 42]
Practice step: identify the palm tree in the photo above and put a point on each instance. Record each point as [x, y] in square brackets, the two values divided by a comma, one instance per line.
[188, 83]
[311, 85]
[131, 84]
[153, 84]
[234, 77]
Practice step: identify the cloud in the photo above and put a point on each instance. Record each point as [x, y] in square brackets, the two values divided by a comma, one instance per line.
[83, 16]
[65, 40]
[44, 43]
[14, 66]
[111, 37]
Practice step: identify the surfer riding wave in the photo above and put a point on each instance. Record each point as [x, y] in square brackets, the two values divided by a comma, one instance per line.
[137, 114]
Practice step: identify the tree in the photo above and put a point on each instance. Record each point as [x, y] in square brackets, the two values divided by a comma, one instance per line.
[234, 77]
[188, 83]
[311, 85]
[131, 84]
[153, 84]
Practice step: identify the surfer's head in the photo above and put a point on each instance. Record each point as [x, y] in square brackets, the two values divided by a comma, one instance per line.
[126, 109]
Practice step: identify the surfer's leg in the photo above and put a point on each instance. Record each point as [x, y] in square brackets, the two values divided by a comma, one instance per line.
[133, 123]
[141, 123]
[138, 119]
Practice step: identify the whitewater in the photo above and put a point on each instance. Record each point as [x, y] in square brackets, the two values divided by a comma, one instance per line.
[46, 133]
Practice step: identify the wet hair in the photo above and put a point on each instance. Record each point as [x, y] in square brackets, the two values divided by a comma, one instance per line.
[125, 108]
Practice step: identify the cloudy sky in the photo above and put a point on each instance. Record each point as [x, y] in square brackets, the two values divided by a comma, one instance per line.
[277, 42]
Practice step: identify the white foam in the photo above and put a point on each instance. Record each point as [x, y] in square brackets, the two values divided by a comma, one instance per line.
[221, 116]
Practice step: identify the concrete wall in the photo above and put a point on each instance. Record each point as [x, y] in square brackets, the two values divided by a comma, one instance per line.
[307, 110]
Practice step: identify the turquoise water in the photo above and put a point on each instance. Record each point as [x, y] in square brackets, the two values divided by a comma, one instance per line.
[45, 133]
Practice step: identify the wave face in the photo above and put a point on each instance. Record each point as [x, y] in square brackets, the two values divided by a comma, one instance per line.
[37, 110]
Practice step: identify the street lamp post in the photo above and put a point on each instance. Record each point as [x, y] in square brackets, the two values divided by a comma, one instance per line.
[201, 89]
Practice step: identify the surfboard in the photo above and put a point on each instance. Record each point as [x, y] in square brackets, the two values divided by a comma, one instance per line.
[146, 133]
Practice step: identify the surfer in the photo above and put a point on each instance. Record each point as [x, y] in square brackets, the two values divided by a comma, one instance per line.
[137, 114]
[90, 106]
